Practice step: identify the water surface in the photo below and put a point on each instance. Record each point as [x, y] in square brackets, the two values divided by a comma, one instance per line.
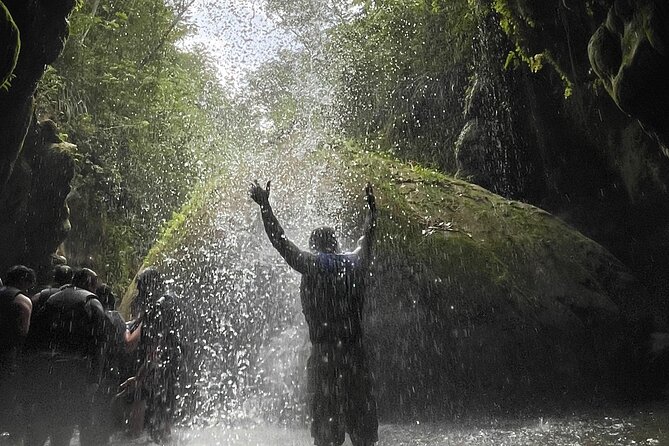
[639, 428]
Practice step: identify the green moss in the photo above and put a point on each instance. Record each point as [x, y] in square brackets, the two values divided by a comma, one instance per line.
[461, 231]
[521, 28]
[177, 232]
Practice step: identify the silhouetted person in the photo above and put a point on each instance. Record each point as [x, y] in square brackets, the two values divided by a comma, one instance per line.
[15, 311]
[62, 275]
[65, 364]
[106, 297]
[119, 345]
[159, 352]
[332, 295]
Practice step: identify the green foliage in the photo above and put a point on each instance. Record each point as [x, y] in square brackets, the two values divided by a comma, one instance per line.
[175, 228]
[521, 28]
[403, 68]
[143, 114]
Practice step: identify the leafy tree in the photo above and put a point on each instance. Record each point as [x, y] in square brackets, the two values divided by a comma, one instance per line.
[143, 114]
[403, 70]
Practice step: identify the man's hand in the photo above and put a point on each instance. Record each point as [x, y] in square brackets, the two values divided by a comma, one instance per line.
[369, 195]
[258, 194]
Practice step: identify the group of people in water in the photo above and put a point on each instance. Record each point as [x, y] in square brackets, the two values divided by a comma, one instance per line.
[68, 360]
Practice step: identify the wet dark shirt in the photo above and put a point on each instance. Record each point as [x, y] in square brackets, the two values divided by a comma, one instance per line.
[160, 327]
[332, 296]
[161, 356]
[10, 329]
[72, 324]
[115, 356]
[332, 286]
[40, 299]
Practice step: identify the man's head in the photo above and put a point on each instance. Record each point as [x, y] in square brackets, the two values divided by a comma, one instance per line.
[85, 278]
[323, 239]
[21, 277]
[150, 287]
[150, 282]
[62, 275]
[106, 297]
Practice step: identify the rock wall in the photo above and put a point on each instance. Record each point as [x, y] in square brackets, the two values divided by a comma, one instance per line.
[10, 47]
[629, 52]
[35, 165]
[587, 140]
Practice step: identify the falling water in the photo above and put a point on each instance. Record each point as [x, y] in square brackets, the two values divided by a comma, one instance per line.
[249, 341]
[488, 149]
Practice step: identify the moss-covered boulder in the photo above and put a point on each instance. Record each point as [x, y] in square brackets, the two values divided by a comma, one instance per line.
[480, 301]
[474, 300]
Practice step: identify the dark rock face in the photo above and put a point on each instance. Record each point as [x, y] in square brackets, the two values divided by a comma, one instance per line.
[629, 53]
[9, 35]
[37, 220]
[489, 151]
[35, 168]
[581, 157]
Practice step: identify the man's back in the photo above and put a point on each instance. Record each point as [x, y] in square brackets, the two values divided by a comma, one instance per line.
[332, 296]
[70, 322]
[10, 333]
[40, 298]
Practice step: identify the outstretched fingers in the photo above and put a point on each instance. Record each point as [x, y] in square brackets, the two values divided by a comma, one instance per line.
[258, 194]
[369, 193]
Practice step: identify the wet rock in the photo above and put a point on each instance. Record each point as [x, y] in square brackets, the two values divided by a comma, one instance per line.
[35, 168]
[10, 46]
[629, 53]
[478, 301]
[36, 220]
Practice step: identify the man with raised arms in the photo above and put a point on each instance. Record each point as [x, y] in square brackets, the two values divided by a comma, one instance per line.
[332, 293]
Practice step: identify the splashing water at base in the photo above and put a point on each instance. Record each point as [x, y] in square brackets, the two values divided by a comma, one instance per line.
[644, 428]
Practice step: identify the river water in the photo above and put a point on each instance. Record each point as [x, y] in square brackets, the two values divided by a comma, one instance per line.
[625, 428]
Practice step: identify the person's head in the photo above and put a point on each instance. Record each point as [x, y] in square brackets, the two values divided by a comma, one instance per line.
[106, 297]
[62, 275]
[323, 239]
[150, 282]
[21, 277]
[150, 287]
[85, 278]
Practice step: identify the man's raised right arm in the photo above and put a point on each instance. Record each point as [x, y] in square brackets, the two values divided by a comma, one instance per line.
[297, 259]
[366, 242]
